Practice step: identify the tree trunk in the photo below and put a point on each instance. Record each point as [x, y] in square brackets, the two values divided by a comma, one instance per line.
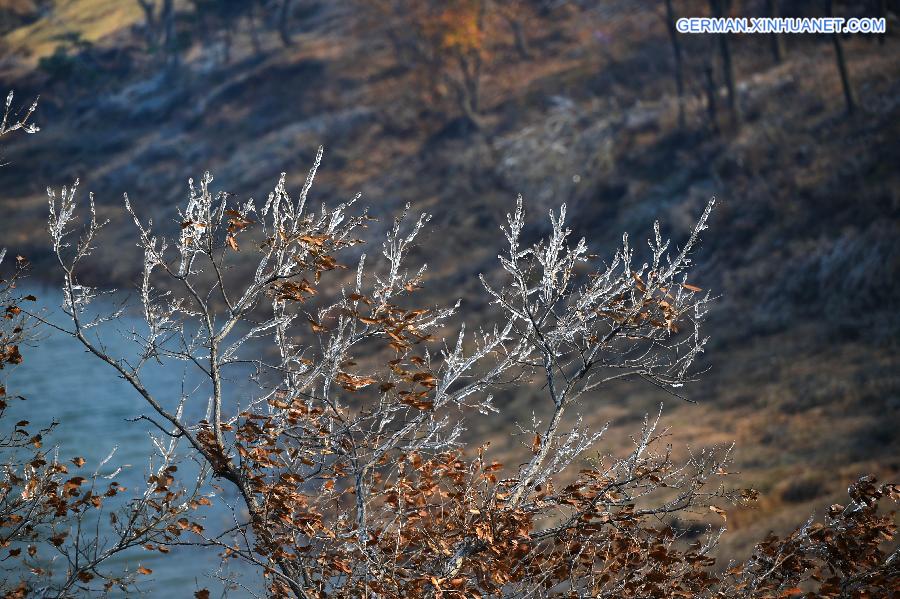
[470, 64]
[151, 27]
[284, 19]
[719, 9]
[679, 65]
[171, 43]
[254, 29]
[711, 94]
[519, 36]
[776, 39]
[226, 45]
[849, 96]
[468, 89]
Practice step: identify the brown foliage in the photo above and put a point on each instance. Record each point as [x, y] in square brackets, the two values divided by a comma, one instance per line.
[843, 556]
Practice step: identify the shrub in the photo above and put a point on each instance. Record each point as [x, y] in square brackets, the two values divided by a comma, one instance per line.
[350, 459]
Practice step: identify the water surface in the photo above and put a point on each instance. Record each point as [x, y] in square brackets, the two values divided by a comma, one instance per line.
[63, 382]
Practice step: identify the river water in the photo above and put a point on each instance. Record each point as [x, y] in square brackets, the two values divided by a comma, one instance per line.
[62, 382]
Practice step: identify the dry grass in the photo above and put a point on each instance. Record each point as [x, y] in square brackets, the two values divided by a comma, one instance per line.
[94, 20]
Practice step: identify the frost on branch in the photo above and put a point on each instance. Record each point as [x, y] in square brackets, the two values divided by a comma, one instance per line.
[349, 457]
[21, 120]
[359, 393]
[50, 506]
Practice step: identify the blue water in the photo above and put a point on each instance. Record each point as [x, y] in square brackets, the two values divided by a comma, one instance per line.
[62, 382]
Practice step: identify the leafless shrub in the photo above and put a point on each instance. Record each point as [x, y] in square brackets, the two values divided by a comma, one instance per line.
[355, 478]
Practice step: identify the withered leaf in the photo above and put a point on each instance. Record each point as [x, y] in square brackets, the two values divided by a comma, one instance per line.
[316, 326]
[718, 511]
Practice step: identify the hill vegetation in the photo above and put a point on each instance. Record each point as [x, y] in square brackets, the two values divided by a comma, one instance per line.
[457, 112]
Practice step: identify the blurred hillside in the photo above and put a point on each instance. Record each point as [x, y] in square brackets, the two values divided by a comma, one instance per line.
[576, 103]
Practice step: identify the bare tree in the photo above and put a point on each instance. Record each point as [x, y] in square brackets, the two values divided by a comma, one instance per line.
[712, 94]
[516, 13]
[450, 44]
[151, 28]
[777, 40]
[324, 456]
[170, 41]
[719, 9]
[284, 22]
[849, 95]
[159, 28]
[160, 31]
[679, 62]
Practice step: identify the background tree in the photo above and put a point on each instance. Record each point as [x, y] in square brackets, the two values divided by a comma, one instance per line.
[517, 13]
[720, 9]
[712, 93]
[161, 31]
[459, 28]
[284, 21]
[777, 39]
[849, 95]
[452, 44]
[678, 70]
[222, 20]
